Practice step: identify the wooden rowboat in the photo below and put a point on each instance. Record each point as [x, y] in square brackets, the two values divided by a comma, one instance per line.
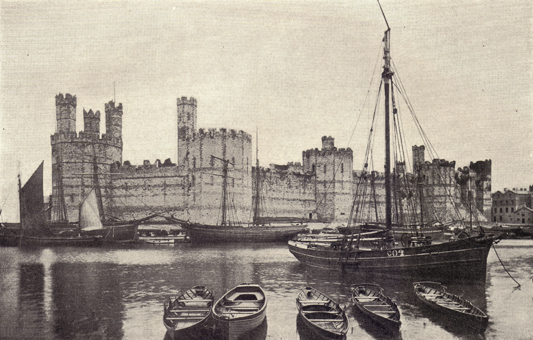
[321, 314]
[370, 300]
[434, 295]
[190, 309]
[240, 310]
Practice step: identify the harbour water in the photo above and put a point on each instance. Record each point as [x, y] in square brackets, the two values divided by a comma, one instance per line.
[105, 293]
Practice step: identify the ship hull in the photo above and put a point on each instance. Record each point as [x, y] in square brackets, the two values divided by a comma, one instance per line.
[461, 259]
[199, 233]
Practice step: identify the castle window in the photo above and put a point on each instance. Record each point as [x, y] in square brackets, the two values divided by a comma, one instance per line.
[342, 168]
[501, 210]
[512, 209]
[313, 168]
[194, 162]
[211, 162]
[325, 168]
[506, 210]
[233, 160]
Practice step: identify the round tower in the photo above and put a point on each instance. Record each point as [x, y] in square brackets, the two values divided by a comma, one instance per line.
[186, 127]
[66, 113]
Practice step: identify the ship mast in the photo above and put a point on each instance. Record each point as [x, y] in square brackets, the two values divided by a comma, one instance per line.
[257, 187]
[387, 80]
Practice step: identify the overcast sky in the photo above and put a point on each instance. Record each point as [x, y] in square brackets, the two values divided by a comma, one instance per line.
[295, 70]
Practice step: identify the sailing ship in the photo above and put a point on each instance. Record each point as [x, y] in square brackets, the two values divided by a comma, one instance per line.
[464, 258]
[259, 230]
[34, 230]
[111, 231]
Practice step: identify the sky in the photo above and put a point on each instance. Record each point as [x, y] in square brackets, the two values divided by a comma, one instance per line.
[293, 71]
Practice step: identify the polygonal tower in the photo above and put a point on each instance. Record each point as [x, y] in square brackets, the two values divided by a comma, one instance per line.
[65, 113]
[113, 121]
[186, 128]
[91, 123]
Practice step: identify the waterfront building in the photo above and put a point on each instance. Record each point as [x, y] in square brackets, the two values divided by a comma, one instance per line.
[513, 206]
[320, 187]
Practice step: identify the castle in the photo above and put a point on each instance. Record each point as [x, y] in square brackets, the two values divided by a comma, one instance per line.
[321, 187]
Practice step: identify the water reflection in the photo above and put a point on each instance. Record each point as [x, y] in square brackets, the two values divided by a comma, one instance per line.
[210, 333]
[66, 293]
[87, 300]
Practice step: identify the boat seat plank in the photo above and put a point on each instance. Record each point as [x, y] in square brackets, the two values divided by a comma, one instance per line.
[314, 301]
[184, 318]
[189, 310]
[195, 300]
[326, 320]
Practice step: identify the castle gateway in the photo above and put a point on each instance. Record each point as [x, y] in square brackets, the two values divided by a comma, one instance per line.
[320, 187]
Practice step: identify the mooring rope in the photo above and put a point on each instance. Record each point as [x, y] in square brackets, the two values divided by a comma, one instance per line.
[519, 285]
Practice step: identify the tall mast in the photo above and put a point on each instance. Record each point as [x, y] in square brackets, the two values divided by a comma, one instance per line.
[387, 76]
[258, 172]
[21, 212]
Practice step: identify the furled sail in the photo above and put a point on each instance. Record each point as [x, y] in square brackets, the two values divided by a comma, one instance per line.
[89, 214]
[32, 201]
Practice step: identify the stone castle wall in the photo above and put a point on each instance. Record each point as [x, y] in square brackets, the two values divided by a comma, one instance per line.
[322, 187]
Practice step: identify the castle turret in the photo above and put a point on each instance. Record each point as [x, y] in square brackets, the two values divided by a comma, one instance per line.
[328, 143]
[91, 123]
[418, 156]
[186, 127]
[113, 121]
[66, 113]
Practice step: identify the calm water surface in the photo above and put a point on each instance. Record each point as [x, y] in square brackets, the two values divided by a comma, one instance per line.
[101, 293]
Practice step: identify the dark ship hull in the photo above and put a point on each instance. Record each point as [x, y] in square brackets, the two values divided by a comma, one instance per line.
[461, 259]
[201, 233]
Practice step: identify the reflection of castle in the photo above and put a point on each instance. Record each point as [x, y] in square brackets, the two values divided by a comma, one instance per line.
[321, 187]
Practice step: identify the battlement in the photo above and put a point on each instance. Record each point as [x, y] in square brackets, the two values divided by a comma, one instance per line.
[185, 101]
[147, 169]
[111, 106]
[317, 152]
[217, 133]
[83, 137]
[68, 99]
[91, 114]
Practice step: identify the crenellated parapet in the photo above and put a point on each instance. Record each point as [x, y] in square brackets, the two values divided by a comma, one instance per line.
[222, 133]
[185, 101]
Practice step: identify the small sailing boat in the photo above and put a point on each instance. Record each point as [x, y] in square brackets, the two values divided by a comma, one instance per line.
[231, 231]
[321, 314]
[189, 310]
[434, 295]
[416, 255]
[34, 230]
[239, 311]
[370, 299]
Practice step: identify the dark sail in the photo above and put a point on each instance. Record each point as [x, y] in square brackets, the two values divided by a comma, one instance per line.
[32, 200]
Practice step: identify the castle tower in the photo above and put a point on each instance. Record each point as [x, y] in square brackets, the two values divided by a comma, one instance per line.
[65, 114]
[113, 121]
[186, 128]
[418, 156]
[332, 170]
[91, 123]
